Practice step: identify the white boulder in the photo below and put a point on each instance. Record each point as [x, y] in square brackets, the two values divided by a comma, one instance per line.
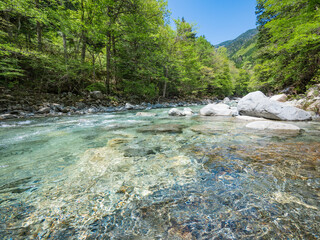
[279, 98]
[271, 125]
[256, 104]
[220, 109]
[178, 112]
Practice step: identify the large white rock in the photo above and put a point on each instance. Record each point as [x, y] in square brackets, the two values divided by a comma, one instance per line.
[220, 109]
[279, 98]
[271, 125]
[256, 104]
[178, 112]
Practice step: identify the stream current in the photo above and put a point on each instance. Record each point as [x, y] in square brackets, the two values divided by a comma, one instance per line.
[122, 176]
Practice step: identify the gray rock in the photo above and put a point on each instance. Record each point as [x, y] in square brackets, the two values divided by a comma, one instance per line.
[279, 98]
[129, 106]
[80, 105]
[158, 105]
[44, 110]
[97, 95]
[256, 104]
[226, 100]
[271, 125]
[314, 106]
[234, 111]
[216, 110]
[314, 91]
[57, 107]
[7, 116]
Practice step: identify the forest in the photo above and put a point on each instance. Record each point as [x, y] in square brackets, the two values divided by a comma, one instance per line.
[129, 48]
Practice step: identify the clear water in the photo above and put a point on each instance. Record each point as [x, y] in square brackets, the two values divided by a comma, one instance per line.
[120, 176]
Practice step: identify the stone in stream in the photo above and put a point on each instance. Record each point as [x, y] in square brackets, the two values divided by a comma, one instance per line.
[272, 125]
[209, 129]
[256, 104]
[178, 112]
[220, 109]
[146, 114]
[162, 128]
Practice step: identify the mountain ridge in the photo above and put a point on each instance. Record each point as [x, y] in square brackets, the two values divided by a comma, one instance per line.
[249, 34]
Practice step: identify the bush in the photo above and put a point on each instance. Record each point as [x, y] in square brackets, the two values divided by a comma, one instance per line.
[97, 86]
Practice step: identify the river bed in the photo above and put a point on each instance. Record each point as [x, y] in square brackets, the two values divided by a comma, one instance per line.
[122, 176]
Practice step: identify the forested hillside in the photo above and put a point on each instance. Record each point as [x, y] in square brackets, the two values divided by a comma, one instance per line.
[127, 48]
[288, 45]
[122, 48]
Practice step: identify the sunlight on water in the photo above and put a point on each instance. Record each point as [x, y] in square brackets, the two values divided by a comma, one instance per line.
[123, 176]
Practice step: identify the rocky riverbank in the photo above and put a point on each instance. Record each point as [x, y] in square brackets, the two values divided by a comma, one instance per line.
[24, 104]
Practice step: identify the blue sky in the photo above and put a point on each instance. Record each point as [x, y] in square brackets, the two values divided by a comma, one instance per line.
[218, 20]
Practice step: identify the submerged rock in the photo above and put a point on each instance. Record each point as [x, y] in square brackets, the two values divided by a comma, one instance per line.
[146, 114]
[270, 125]
[256, 104]
[162, 128]
[220, 109]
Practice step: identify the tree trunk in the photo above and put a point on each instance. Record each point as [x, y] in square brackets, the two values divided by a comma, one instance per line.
[108, 66]
[83, 35]
[39, 30]
[165, 83]
[115, 80]
[9, 29]
[65, 50]
[83, 48]
[93, 67]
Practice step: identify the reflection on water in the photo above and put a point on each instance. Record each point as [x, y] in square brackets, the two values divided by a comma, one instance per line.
[122, 176]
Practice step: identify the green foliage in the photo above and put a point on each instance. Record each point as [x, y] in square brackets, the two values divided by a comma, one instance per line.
[141, 90]
[289, 44]
[97, 86]
[10, 69]
[124, 48]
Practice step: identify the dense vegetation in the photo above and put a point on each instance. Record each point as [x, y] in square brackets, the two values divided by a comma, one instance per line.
[124, 48]
[127, 48]
[285, 54]
[288, 44]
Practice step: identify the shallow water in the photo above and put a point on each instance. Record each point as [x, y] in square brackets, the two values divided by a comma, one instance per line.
[120, 176]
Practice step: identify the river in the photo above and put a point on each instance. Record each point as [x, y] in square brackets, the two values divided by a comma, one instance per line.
[122, 176]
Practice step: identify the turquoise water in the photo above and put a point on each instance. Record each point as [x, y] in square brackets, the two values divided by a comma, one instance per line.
[120, 176]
